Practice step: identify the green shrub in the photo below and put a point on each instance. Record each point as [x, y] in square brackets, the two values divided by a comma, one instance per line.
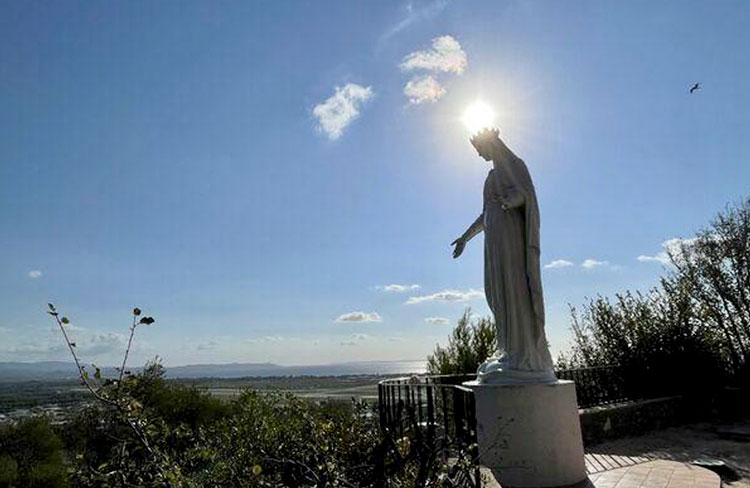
[470, 343]
[173, 403]
[144, 431]
[31, 455]
[692, 332]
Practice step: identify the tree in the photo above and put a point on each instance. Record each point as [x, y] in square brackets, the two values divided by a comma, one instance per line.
[693, 331]
[714, 268]
[470, 343]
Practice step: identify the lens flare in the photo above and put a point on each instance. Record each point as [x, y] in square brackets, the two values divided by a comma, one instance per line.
[478, 116]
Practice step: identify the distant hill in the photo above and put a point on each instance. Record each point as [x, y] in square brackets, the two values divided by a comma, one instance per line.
[58, 370]
[41, 370]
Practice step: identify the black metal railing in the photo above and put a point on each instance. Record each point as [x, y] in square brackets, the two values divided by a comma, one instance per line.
[599, 385]
[435, 413]
[438, 412]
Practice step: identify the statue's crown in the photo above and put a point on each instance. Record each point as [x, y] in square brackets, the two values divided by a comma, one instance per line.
[484, 136]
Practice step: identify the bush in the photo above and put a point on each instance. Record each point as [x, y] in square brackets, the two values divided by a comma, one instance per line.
[176, 404]
[660, 350]
[692, 332]
[470, 343]
[145, 431]
[267, 439]
[31, 454]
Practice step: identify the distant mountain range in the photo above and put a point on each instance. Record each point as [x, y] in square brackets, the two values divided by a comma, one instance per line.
[59, 370]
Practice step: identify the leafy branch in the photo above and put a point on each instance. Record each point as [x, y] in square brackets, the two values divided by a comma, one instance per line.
[122, 404]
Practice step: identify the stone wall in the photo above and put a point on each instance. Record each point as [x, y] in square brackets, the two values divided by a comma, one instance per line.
[636, 417]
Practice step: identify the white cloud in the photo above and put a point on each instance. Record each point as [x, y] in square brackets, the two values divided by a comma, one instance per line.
[341, 109]
[411, 16]
[593, 263]
[447, 296]
[36, 350]
[355, 339]
[398, 288]
[52, 346]
[55, 329]
[396, 339]
[437, 320]
[558, 263]
[422, 89]
[359, 317]
[102, 343]
[446, 55]
[205, 346]
[674, 246]
[660, 257]
[34, 274]
[264, 340]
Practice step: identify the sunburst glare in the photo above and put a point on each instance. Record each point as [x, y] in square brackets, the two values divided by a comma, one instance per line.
[477, 116]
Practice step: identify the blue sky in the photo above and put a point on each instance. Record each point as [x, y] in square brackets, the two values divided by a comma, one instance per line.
[170, 155]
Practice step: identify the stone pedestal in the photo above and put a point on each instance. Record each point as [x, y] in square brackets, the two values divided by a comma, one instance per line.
[529, 434]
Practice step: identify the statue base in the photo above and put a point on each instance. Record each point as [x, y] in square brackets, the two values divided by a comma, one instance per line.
[529, 434]
[496, 371]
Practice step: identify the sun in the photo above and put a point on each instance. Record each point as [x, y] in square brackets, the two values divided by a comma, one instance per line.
[477, 116]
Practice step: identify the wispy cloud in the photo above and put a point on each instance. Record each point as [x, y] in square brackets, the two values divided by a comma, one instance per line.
[412, 15]
[675, 246]
[660, 257]
[437, 320]
[593, 263]
[558, 263]
[34, 274]
[421, 89]
[395, 288]
[68, 327]
[355, 339]
[341, 109]
[206, 346]
[91, 344]
[445, 56]
[359, 317]
[447, 296]
[264, 340]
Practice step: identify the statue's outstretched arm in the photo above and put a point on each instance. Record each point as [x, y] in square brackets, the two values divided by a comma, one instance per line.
[474, 228]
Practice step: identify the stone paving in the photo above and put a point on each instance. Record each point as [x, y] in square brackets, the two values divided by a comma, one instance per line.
[663, 459]
[636, 472]
[599, 462]
[655, 474]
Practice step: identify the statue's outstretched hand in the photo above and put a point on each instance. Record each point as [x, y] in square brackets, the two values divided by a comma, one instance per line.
[460, 243]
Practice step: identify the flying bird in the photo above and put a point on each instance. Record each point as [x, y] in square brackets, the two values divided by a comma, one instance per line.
[697, 86]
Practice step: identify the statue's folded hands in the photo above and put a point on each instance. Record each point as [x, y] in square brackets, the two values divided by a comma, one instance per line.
[512, 198]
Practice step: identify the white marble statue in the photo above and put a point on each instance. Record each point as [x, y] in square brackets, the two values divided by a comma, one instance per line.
[512, 279]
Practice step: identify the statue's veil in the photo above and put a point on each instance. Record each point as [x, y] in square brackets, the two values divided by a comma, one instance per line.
[522, 181]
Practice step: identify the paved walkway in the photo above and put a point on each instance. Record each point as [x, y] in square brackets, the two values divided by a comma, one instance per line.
[610, 471]
[598, 463]
[656, 474]
[662, 459]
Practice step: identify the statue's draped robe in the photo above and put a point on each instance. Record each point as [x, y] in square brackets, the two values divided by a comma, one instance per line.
[512, 277]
